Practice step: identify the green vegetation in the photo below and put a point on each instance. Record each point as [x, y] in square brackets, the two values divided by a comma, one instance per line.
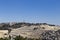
[18, 38]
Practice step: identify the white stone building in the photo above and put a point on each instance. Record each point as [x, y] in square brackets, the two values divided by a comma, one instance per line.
[3, 33]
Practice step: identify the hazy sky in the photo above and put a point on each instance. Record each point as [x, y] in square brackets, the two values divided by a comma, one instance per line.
[45, 11]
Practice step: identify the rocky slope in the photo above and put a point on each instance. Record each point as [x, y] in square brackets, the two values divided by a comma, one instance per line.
[33, 31]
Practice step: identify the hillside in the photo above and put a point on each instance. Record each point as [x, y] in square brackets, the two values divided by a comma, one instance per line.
[30, 30]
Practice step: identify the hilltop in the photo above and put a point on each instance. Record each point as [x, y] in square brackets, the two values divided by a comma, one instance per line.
[13, 25]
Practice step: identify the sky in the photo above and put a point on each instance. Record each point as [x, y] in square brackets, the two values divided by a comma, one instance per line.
[35, 11]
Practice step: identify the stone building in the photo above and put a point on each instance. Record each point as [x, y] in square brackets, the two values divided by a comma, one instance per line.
[3, 33]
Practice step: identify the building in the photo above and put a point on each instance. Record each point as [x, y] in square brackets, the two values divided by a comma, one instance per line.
[3, 33]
